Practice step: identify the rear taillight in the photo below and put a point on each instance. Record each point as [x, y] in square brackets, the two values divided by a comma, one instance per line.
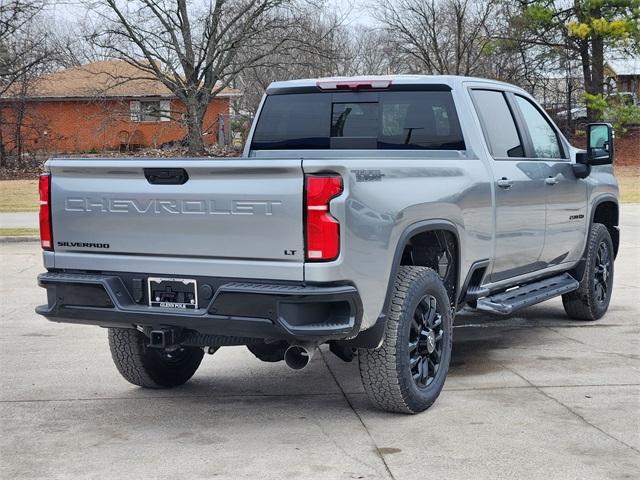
[46, 240]
[322, 230]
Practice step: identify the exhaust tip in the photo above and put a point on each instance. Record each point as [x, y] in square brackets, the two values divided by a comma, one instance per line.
[297, 357]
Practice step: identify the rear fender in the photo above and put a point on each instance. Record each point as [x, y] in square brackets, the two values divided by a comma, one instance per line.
[372, 337]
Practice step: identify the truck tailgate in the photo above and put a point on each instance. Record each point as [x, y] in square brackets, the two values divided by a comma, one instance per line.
[226, 209]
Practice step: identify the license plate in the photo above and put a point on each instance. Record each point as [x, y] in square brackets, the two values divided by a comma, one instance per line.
[178, 293]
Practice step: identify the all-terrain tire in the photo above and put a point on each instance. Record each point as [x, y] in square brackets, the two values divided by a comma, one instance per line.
[386, 371]
[588, 301]
[151, 367]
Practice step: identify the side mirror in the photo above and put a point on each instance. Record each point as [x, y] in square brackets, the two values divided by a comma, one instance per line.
[599, 144]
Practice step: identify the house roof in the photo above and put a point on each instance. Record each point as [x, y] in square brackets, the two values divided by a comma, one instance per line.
[625, 66]
[109, 78]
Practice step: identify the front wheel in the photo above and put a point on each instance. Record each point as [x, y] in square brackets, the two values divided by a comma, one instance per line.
[151, 367]
[407, 372]
[591, 300]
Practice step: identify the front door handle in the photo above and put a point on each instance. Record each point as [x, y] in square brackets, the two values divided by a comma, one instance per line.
[505, 183]
[551, 180]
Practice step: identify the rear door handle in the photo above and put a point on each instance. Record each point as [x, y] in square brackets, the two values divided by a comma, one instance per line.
[551, 180]
[505, 183]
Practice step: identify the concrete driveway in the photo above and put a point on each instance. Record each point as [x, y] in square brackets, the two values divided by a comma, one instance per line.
[19, 220]
[537, 396]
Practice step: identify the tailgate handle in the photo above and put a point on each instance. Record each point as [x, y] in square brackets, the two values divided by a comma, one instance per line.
[166, 176]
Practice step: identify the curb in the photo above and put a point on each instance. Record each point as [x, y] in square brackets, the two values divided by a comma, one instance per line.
[19, 239]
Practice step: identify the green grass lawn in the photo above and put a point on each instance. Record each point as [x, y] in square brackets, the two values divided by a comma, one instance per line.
[629, 183]
[18, 232]
[19, 196]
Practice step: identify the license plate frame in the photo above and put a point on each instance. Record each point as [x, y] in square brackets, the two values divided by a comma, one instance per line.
[187, 286]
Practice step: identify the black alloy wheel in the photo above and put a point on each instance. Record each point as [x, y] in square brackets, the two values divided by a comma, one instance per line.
[425, 341]
[602, 273]
[407, 371]
[591, 299]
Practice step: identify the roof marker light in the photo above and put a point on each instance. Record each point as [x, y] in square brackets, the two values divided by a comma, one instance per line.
[355, 84]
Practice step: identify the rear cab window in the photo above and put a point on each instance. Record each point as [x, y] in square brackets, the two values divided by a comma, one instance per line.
[385, 120]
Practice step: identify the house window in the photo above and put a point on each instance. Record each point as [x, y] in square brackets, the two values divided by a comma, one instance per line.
[150, 110]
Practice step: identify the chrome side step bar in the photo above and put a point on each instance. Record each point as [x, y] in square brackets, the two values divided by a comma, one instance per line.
[506, 303]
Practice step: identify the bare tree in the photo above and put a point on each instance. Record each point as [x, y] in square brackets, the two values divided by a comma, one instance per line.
[372, 52]
[71, 41]
[24, 55]
[438, 36]
[22, 46]
[318, 45]
[193, 48]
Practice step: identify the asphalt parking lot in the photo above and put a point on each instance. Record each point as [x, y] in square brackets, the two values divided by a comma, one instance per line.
[536, 396]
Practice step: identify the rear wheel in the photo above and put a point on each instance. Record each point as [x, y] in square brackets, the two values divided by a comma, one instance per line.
[151, 367]
[407, 373]
[591, 300]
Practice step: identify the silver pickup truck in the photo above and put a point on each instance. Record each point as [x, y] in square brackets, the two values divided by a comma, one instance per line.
[364, 213]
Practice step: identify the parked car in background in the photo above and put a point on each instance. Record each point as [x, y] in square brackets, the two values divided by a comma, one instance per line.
[579, 114]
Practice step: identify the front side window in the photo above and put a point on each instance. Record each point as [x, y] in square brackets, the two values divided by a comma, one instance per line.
[543, 136]
[498, 124]
[390, 120]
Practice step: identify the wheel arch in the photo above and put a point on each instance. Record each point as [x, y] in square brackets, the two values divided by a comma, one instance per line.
[607, 211]
[412, 232]
[372, 337]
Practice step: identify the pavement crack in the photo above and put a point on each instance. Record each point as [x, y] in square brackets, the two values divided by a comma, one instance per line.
[629, 356]
[570, 410]
[341, 448]
[355, 412]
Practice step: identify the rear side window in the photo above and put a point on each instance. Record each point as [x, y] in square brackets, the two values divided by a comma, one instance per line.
[498, 124]
[385, 120]
[298, 121]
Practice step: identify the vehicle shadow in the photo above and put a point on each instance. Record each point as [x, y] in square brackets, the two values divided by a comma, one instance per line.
[480, 337]
[482, 348]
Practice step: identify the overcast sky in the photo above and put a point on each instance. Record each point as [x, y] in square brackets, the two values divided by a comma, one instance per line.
[358, 11]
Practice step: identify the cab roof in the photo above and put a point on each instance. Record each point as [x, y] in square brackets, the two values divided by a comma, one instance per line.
[378, 82]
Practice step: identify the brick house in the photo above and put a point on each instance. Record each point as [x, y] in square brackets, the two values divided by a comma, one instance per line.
[108, 105]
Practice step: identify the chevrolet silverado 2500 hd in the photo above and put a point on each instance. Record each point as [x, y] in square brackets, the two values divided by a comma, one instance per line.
[363, 214]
